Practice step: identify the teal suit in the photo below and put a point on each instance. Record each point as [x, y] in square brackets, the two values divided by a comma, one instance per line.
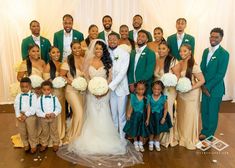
[144, 68]
[102, 36]
[59, 40]
[131, 36]
[172, 42]
[214, 74]
[44, 47]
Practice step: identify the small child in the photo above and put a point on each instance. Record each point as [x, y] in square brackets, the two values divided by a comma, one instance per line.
[160, 120]
[25, 108]
[138, 116]
[48, 108]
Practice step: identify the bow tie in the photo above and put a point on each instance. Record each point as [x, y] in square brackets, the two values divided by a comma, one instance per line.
[48, 97]
[24, 94]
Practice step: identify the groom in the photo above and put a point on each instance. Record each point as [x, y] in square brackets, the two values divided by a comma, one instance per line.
[119, 84]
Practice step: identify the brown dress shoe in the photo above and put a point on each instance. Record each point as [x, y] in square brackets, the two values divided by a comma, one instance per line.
[33, 150]
[26, 148]
[55, 148]
[202, 137]
[42, 148]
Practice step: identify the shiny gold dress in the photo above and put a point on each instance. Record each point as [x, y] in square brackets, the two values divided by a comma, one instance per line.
[188, 109]
[76, 101]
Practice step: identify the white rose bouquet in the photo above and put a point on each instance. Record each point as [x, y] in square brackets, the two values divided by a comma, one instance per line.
[98, 86]
[59, 82]
[169, 79]
[36, 80]
[79, 83]
[184, 85]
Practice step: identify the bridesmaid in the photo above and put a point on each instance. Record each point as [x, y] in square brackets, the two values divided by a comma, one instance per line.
[33, 65]
[52, 71]
[158, 36]
[93, 32]
[71, 69]
[188, 104]
[165, 62]
[123, 31]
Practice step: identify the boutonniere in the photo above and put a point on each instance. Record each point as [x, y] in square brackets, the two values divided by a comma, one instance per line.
[143, 53]
[213, 58]
[75, 38]
[43, 40]
[116, 57]
[186, 40]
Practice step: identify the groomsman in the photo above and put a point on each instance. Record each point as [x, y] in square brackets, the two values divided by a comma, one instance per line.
[142, 63]
[107, 23]
[63, 38]
[35, 38]
[119, 84]
[176, 40]
[214, 65]
[137, 24]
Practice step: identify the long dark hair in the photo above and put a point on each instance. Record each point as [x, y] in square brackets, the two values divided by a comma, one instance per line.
[70, 60]
[87, 40]
[191, 62]
[52, 66]
[106, 59]
[28, 61]
[169, 58]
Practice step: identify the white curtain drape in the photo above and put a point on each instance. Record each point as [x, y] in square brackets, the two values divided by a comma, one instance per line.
[201, 15]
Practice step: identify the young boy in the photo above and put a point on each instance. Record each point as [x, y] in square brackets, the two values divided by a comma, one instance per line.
[48, 108]
[25, 108]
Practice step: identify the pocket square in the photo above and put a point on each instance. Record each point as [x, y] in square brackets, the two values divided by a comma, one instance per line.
[75, 38]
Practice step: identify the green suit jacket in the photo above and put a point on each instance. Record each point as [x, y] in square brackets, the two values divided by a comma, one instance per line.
[102, 36]
[172, 42]
[144, 68]
[59, 40]
[131, 36]
[215, 71]
[44, 47]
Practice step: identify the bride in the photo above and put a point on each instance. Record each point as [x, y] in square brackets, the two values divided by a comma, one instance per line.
[99, 142]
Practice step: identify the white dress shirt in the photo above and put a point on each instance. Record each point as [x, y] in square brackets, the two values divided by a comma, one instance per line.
[48, 104]
[68, 38]
[23, 102]
[180, 39]
[137, 56]
[211, 52]
[36, 40]
[135, 34]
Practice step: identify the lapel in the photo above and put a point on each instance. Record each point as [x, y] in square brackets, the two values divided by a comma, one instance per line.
[61, 38]
[142, 56]
[175, 42]
[214, 56]
[75, 37]
[42, 42]
[131, 35]
[31, 41]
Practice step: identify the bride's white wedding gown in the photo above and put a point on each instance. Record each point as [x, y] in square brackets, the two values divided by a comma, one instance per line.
[99, 144]
[99, 135]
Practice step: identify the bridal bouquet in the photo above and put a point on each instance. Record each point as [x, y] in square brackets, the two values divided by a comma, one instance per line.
[125, 47]
[184, 85]
[98, 86]
[79, 83]
[59, 82]
[14, 89]
[169, 79]
[36, 81]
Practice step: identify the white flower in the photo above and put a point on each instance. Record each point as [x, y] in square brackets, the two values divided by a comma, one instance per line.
[186, 40]
[169, 79]
[143, 53]
[36, 81]
[125, 47]
[14, 89]
[79, 83]
[17, 65]
[98, 86]
[59, 82]
[213, 57]
[184, 85]
[116, 57]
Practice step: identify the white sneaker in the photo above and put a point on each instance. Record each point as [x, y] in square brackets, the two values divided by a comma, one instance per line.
[141, 147]
[157, 146]
[151, 146]
[136, 145]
